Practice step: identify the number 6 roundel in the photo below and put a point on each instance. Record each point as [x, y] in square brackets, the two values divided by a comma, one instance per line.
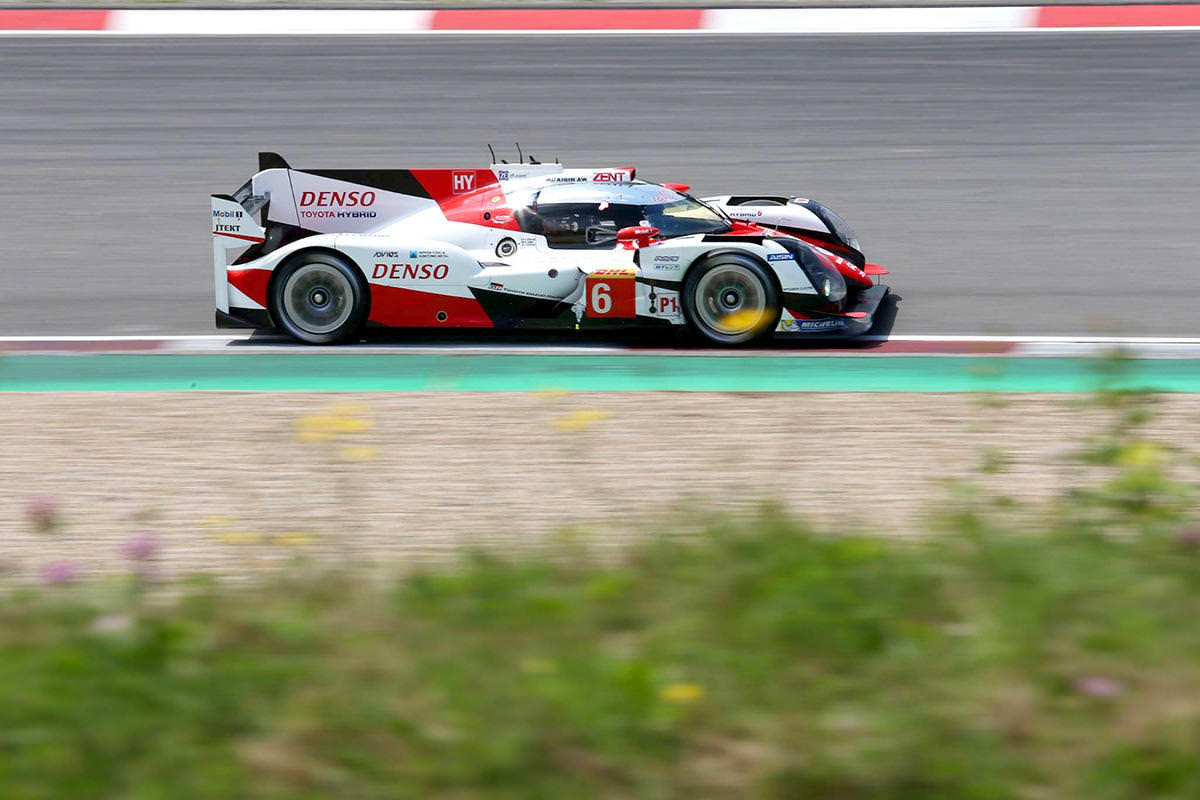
[612, 293]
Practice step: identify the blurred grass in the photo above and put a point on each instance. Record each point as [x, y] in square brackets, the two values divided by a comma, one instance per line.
[758, 659]
[1019, 655]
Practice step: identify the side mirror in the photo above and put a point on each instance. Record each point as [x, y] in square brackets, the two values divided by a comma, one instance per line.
[637, 236]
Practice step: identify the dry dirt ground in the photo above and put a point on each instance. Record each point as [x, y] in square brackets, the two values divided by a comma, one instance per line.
[233, 482]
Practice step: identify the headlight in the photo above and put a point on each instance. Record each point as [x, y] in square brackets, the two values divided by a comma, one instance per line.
[825, 278]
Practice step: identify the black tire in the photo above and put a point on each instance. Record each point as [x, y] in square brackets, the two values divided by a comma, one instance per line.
[320, 298]
[731, 299]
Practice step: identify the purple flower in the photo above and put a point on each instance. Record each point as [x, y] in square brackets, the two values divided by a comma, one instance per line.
[1099, 688]
[42, 512]
[142, 547]
[58, 572]
[1188, 536]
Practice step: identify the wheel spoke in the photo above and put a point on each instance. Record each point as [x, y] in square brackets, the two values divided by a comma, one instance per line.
[731, 300]
[318, 298]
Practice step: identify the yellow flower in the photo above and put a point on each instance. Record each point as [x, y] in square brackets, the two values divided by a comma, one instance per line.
[580, 419]
[295, 539]
[550, 394]
[324, 427]
[359, 453]
[218, 522]
[682, 693]
[347, 409]
[239, 537]
[1140, 454]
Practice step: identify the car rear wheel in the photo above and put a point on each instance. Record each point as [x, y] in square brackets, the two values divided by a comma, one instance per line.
[730, 299]
[319, 298]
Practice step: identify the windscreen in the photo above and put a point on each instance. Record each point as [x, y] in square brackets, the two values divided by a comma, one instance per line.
[586, 216]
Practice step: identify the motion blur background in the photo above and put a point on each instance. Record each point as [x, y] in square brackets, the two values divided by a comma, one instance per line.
[967, 591]
[1036, 183]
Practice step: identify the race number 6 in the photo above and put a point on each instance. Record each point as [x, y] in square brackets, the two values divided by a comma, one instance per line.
[612, 293]
[601, 298]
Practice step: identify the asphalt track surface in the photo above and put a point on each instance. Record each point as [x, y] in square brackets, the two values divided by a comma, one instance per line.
[1031, 183]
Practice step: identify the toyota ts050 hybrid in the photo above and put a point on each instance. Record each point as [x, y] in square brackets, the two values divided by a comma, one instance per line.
[325, 254]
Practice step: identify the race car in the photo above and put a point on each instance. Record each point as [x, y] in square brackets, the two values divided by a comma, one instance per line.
[325, 255]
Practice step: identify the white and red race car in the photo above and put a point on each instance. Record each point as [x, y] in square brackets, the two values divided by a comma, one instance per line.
[326, 254]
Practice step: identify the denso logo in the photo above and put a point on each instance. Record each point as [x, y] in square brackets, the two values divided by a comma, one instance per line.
[412, 272]
[347, 199]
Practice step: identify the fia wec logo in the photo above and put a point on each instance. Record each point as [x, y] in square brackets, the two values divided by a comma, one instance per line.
[462, 181]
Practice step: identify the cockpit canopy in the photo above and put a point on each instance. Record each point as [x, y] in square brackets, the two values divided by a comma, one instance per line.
[588, 215]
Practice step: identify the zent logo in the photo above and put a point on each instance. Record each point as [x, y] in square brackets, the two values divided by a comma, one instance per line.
[462, 181]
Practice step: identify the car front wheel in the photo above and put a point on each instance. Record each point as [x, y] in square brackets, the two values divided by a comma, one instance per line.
[730, 299]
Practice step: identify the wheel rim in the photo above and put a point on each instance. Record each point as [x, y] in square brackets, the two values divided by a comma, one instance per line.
[318, 298]
[731, 300]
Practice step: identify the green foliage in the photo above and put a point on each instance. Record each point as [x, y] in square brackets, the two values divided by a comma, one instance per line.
[758, 659]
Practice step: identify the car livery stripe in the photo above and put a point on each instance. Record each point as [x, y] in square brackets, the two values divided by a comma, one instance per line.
[398, 306]
[252, 283]
[239, 236]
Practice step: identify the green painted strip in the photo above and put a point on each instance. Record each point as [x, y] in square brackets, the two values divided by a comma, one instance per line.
[520, 373]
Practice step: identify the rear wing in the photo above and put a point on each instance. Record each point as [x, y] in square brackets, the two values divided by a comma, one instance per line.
[233, 229]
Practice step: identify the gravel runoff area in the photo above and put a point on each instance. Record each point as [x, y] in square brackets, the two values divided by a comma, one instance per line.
[233, 483]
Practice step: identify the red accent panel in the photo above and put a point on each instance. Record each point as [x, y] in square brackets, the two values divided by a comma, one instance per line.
[252, 283]
[875, 269]
[738, 227]
[447, 184]
[398, 307]
[12, 19]
[1117, 16]
[557, 19]
[848, 271]
[611, 293]
[465, 195]
[239, 236]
